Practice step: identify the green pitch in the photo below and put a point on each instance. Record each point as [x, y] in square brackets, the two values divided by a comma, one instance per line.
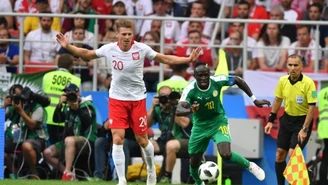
[59, 182]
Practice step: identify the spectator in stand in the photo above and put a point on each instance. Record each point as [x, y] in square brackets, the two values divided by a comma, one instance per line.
[24, 6]
[151, 67]
[310, 51]
[103, 7]
[245, 10]
[315, 10]
[81, 23]
[236, 26]
[82, 69]
[291, 14]
[66, 6]
[172, 28]
[299, 5]
[324, 13]
[6, 7]
[194, 25]
[32, 23]
[156, 27]
[174, 9]
[194, 37]
[272, 59]
[197, 11]
[9, 53]
[234, 56]
[288, 30]
[85, 6]
[41, 52]
[138, 8]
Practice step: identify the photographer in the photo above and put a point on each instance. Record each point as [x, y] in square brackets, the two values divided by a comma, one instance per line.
[26, 130]
[162, 111]
[80, 130]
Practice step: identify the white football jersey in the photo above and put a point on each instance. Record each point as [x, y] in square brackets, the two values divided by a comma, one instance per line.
[127, 70]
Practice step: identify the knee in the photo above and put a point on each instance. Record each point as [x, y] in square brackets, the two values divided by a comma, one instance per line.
[142, 140]
[171, 147]
[118, 139]
[47, 153]
[225, 155]
[69, 141]
[27, 147]
[281, 155]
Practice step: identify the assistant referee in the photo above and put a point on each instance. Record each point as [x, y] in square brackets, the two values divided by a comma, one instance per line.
[300, 97]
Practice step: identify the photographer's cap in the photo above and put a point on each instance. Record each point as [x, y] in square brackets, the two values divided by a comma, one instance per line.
[71, 87]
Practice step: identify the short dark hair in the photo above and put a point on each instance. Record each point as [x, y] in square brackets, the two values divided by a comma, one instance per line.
[65, 61]
[299, 57]
[304, 26]
[242, 2]
[179, 67]
[318, 5]
[195, 31]
[3, 21]
[199, 64]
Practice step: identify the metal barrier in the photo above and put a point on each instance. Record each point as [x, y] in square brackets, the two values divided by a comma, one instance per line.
[162, 44]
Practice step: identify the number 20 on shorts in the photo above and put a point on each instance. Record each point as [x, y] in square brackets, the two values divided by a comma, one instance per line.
[224, 130]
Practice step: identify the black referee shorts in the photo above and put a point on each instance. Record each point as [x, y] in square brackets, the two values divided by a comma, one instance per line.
[288, 132]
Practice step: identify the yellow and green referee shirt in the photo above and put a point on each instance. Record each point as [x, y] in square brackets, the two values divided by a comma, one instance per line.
[297, 95]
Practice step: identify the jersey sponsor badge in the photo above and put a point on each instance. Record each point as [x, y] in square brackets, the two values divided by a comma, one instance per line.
[215, 93]
[135, 56]
[314, 94]
[299, 99]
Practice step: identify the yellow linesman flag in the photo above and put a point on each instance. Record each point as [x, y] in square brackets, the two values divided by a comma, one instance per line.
[222, 68]
[296, 172]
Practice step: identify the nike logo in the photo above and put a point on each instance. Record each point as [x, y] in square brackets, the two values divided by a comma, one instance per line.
[199, 97]
[143, 129]
[226, 136]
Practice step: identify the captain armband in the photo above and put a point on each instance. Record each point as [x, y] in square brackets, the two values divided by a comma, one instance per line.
[272, 117]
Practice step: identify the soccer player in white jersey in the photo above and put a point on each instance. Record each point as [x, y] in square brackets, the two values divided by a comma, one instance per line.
[127, 97]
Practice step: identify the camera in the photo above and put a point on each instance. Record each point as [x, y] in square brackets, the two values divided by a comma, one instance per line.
[71, 96]
[16, 98]
[172, 98]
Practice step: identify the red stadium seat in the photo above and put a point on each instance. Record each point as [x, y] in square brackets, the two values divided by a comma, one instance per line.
[34, 69]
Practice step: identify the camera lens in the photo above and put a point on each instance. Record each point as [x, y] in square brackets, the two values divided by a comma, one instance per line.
[163, 99]
[71, 97]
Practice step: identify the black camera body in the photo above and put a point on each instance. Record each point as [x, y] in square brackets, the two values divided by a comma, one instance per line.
[71, 97]
[173, 98]
[16, 98]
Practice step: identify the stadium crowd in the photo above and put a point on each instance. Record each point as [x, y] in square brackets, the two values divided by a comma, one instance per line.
[286, 40]
[283, 38]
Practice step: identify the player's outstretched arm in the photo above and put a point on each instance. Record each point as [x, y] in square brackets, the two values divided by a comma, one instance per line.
[85, 54]
[184, 108]
[243, 86]
[173, 60]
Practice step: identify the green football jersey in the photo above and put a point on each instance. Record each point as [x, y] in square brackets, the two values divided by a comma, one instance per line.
[210, 107]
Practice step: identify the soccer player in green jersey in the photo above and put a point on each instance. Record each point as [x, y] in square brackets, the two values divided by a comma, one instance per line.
[201, 97]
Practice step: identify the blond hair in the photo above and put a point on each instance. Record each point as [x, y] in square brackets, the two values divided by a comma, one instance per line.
[124, 23]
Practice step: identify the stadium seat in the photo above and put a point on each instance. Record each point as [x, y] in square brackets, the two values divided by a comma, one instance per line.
[33, 69]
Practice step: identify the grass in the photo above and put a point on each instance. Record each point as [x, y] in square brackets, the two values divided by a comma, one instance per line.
[58, 182]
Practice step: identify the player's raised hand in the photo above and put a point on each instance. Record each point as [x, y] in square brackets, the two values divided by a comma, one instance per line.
[62, 40]
[260, 103]
[195, 54]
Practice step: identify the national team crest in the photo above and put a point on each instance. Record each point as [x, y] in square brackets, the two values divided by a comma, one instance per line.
[215, 93]
[135, 56]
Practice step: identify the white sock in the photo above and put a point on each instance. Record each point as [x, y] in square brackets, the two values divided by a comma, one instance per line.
[119, 162]
[148, 152]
